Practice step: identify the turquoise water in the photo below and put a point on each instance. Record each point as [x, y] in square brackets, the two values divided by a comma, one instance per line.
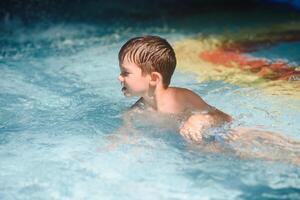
[60, 103]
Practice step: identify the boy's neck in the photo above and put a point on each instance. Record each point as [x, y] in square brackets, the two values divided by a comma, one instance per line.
[158, 98]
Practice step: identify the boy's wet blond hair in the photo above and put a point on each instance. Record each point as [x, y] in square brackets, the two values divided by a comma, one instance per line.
[151, 54]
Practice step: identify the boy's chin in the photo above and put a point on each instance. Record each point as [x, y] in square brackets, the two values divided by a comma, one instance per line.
[126, 94]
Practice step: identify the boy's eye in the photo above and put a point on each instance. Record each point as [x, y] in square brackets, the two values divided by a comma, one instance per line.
[124, 73]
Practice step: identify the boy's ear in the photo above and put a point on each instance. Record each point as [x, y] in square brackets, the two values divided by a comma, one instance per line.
[155, 78]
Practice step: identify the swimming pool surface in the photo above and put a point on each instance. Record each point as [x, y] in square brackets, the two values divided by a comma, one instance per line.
[61, 102]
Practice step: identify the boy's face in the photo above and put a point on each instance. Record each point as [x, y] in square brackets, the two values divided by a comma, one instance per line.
[134, 83]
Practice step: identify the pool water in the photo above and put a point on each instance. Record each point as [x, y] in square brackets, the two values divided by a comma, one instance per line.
[61, 104]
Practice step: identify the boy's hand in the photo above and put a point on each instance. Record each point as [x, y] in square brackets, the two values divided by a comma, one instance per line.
[195, 126]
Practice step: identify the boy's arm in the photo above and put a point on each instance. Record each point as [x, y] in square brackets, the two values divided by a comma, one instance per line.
[121, 135]
[199, 106]
[203, 117]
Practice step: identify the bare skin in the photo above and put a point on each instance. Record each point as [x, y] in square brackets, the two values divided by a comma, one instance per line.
[154, 96]
[248, 143]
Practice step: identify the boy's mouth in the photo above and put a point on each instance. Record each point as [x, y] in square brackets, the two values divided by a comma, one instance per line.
[124, 89]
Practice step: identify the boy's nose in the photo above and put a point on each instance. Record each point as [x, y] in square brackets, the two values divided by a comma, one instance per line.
[121, 78]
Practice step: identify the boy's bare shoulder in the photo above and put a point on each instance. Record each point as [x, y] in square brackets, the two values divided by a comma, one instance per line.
[183, 91]
[189, 98]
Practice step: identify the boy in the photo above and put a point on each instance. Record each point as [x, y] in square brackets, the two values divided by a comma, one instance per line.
[147, 65]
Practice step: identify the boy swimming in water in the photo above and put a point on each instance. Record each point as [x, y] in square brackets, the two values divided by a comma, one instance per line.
[147, 64]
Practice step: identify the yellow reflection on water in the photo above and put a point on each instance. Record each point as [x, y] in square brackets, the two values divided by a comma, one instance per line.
[188, 51]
